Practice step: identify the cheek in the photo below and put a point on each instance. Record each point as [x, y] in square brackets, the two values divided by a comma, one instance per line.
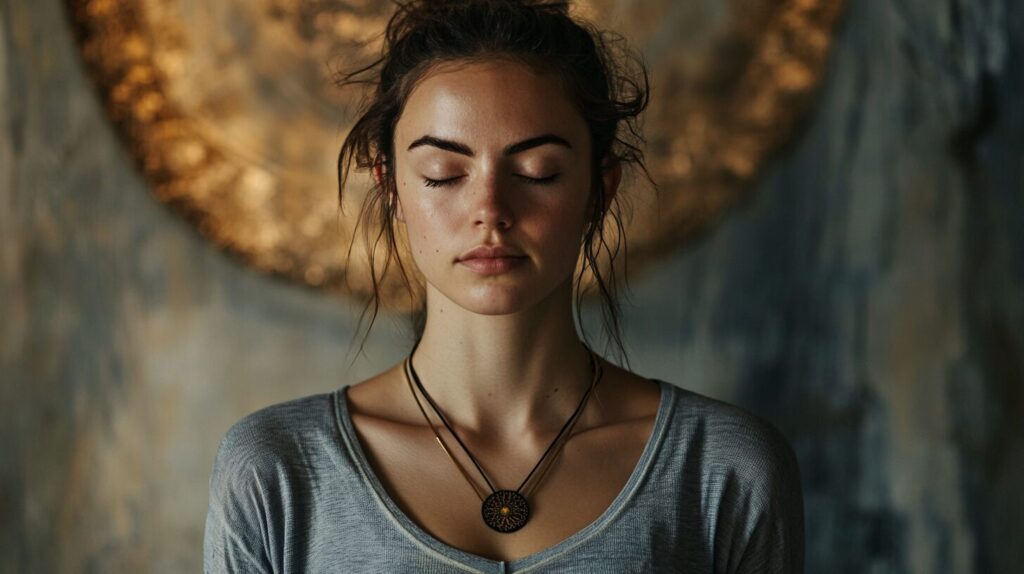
[558, 230]
[430, 228]
[562, 217]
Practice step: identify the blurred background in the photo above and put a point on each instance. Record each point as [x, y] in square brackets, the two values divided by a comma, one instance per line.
[857, 280]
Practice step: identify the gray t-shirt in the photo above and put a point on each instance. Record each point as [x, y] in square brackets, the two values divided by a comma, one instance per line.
[716, 489]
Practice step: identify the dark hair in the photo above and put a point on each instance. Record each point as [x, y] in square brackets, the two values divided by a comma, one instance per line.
[593, 65]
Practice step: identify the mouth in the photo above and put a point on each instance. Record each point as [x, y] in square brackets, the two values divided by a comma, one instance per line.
[492, 265]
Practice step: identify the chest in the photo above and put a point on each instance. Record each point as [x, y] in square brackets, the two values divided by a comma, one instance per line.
[575, 487]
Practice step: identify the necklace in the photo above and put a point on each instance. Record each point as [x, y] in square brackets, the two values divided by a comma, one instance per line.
[503, 510]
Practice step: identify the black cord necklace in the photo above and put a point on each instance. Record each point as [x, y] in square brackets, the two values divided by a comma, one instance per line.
[504, 510]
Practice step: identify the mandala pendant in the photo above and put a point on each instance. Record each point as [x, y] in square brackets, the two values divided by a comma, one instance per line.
[506, 510]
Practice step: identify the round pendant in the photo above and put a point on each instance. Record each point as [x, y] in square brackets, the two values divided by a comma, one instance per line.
[506, 510]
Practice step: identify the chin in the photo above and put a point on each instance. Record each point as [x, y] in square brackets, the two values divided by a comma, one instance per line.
[501, 297]
[493, 300]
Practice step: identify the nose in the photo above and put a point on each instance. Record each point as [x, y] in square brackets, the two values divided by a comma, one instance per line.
[491, 206]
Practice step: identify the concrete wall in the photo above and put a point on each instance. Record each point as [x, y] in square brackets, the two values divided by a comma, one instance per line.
[869, 301]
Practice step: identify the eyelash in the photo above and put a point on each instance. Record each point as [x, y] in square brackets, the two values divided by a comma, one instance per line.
[534, 180]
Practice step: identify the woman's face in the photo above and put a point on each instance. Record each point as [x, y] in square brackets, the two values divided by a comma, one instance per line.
[493, 154]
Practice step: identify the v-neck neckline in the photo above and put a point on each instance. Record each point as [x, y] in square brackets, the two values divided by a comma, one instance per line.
[474, 562]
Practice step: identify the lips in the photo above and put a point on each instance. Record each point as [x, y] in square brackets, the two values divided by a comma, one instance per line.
[490, 252]
[491, 259]
[492, 265]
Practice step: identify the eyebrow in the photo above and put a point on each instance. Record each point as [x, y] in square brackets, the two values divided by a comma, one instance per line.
[461, 148]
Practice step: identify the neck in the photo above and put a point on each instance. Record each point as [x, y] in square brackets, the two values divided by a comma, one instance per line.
[504, 376]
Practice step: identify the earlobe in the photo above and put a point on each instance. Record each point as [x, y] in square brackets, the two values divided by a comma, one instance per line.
[378, 171]
[380, 176]
[398, 209]
[611, 172]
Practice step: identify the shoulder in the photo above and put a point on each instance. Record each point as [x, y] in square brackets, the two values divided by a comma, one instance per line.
[733, 445]
[745, 475]
[273, 437]
[263, 468]
[279, 424]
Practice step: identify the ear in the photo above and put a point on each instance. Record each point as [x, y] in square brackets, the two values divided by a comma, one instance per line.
[379, 173]
[611, 172]
[398, 209]
[378, 170]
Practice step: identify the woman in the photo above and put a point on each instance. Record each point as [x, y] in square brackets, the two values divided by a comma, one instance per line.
[497, 136]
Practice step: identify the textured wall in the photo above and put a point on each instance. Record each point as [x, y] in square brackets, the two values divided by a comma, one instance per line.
[869, 300]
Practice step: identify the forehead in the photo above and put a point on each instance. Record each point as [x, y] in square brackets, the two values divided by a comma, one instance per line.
[487, 104]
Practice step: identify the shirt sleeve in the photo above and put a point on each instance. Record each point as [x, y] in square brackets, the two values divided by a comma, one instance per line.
[757, 504]
[234, 536]
[774, 523]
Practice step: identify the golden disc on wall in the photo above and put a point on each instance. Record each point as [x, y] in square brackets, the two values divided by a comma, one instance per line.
[230, 109]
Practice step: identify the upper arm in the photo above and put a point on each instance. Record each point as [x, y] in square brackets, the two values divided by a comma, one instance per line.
[760, 516]
[775, 543]
[235, 529]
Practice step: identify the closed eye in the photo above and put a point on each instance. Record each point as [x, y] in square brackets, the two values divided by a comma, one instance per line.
[541, 180]
[438, 182]
[534, 180]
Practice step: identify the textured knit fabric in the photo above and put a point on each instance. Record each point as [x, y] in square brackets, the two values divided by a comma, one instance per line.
[716, 489]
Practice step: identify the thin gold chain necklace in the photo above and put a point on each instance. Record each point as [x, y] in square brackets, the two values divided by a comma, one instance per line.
[503, 510]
